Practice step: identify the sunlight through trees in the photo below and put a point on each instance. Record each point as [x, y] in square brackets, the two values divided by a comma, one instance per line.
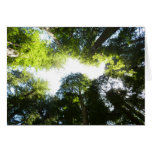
[116, 97]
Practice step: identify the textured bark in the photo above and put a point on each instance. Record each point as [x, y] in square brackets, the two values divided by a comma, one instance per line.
[107, 33]
[84, 111]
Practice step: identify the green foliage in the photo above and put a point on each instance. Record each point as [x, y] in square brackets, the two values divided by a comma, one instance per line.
[32, 51]
[77, 42]
[24, 95]
[97, 110]
[117, 97]
[75, 83]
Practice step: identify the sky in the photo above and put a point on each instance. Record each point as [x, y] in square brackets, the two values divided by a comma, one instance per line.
[54, 76]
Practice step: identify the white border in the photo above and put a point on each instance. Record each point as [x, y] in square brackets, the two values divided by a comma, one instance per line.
[74, 13]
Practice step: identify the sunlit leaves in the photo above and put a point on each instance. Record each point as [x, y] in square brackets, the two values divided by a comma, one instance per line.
[24, 94]
[75, 100]
[117, 97]
[32, 51]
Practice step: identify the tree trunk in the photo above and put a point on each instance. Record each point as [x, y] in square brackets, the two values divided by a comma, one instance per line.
[12, 53]
[132, 118]
[107, 33]
[137, 113]
[84, 111]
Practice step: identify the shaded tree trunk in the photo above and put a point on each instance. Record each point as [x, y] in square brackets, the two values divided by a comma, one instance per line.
[137, 113]
[133, 118]
[84, 111]
[107, 33]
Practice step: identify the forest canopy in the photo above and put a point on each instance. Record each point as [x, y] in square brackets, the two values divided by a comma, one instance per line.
[114, 98]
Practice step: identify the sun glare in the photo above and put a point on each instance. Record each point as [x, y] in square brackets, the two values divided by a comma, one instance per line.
[54, 76]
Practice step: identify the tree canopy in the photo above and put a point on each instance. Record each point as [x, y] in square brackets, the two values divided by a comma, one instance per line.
[27, 49]
[116, 97]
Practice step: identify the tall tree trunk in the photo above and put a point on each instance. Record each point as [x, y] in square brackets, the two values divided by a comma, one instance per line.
[133, 118]
[107, 33]
[137, 113]
[84, 110]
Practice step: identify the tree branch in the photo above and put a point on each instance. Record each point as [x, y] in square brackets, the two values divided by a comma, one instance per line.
[13, 44]
[29, 93]
[12, 53]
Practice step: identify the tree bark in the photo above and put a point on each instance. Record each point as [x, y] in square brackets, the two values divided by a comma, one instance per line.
[84, 110]
[107, 33]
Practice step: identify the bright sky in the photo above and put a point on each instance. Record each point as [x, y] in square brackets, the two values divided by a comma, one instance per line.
[54, 76]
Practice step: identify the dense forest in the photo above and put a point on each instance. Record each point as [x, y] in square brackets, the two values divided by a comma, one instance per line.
[79, 101]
